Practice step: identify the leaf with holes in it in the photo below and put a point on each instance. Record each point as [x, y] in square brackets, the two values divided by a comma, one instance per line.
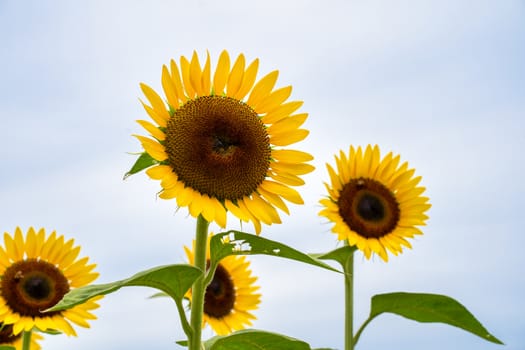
[255, 339]
[241, 243]
[174, 280]
[430, 308]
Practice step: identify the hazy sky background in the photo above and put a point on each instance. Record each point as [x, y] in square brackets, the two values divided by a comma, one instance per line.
[440, 82]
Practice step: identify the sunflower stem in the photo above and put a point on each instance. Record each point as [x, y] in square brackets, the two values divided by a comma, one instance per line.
[26, 340]
[198, 289]
[349, 301]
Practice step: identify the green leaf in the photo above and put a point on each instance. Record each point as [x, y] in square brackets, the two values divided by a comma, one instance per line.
[241, 243]
[430, 308]
[255, 339]
[7, 347]
[173, 280]
[143, 161]
[340, 255]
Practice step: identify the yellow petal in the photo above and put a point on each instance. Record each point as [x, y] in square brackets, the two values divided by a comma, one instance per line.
[196, 74]
[274, 200]
[84, 279]
[287, 138]
[273, 100]
[256, 222]
[176, 79]
[247, 80]
[70, 256]
[221, 73]
[196, 205]
[48, 245]
[287, 193]
[155, 101]
[169, 88]
[161, 121]
[19, 244]
[292, 168]
[158, 172]
[289, 123]
[208, 208]
[262, 210]
[66, 247]
[185, 196]
[287, 179]
[186, 77]
[236, 76]
[291, 156]
[75, 318]
[283, 111]
[76, 267]
[263, 88]
[220, 214]
[236, 211]
[64, 326]
[205, 76]
[153, 130]
[154, 149]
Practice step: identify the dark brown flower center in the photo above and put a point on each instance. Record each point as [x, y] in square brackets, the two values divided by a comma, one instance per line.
[218, 146]
[219, 299]
[368, 208]
[31, 286]
[6, 334]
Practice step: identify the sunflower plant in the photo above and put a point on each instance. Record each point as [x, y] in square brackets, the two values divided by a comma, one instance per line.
[220, 142]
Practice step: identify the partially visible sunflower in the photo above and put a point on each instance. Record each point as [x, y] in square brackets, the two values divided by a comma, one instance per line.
[231, 295]
[217, 140]
[37, 271]
[374, 203]
[7, 338]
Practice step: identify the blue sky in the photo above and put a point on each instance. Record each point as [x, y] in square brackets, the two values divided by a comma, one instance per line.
[440, 82]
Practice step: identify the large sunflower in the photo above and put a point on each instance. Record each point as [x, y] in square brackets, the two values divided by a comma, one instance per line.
[231, 295]
[37, 271]
[217, 143]
[374, 203]
[7, 338]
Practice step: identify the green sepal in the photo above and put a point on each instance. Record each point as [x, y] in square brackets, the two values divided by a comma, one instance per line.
[254, 339]
[144, 161]
[241, 243]
[7, 347]
[341, 255]
[50, 331]
[423, 307]
[174, 280]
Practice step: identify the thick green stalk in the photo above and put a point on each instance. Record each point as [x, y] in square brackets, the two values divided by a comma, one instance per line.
[26, 340]
[198, 289]
[349, 302]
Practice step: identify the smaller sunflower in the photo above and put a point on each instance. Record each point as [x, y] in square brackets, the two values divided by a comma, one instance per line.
[231, 295]
[374, 203]
[7, 338]
[37, 271]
